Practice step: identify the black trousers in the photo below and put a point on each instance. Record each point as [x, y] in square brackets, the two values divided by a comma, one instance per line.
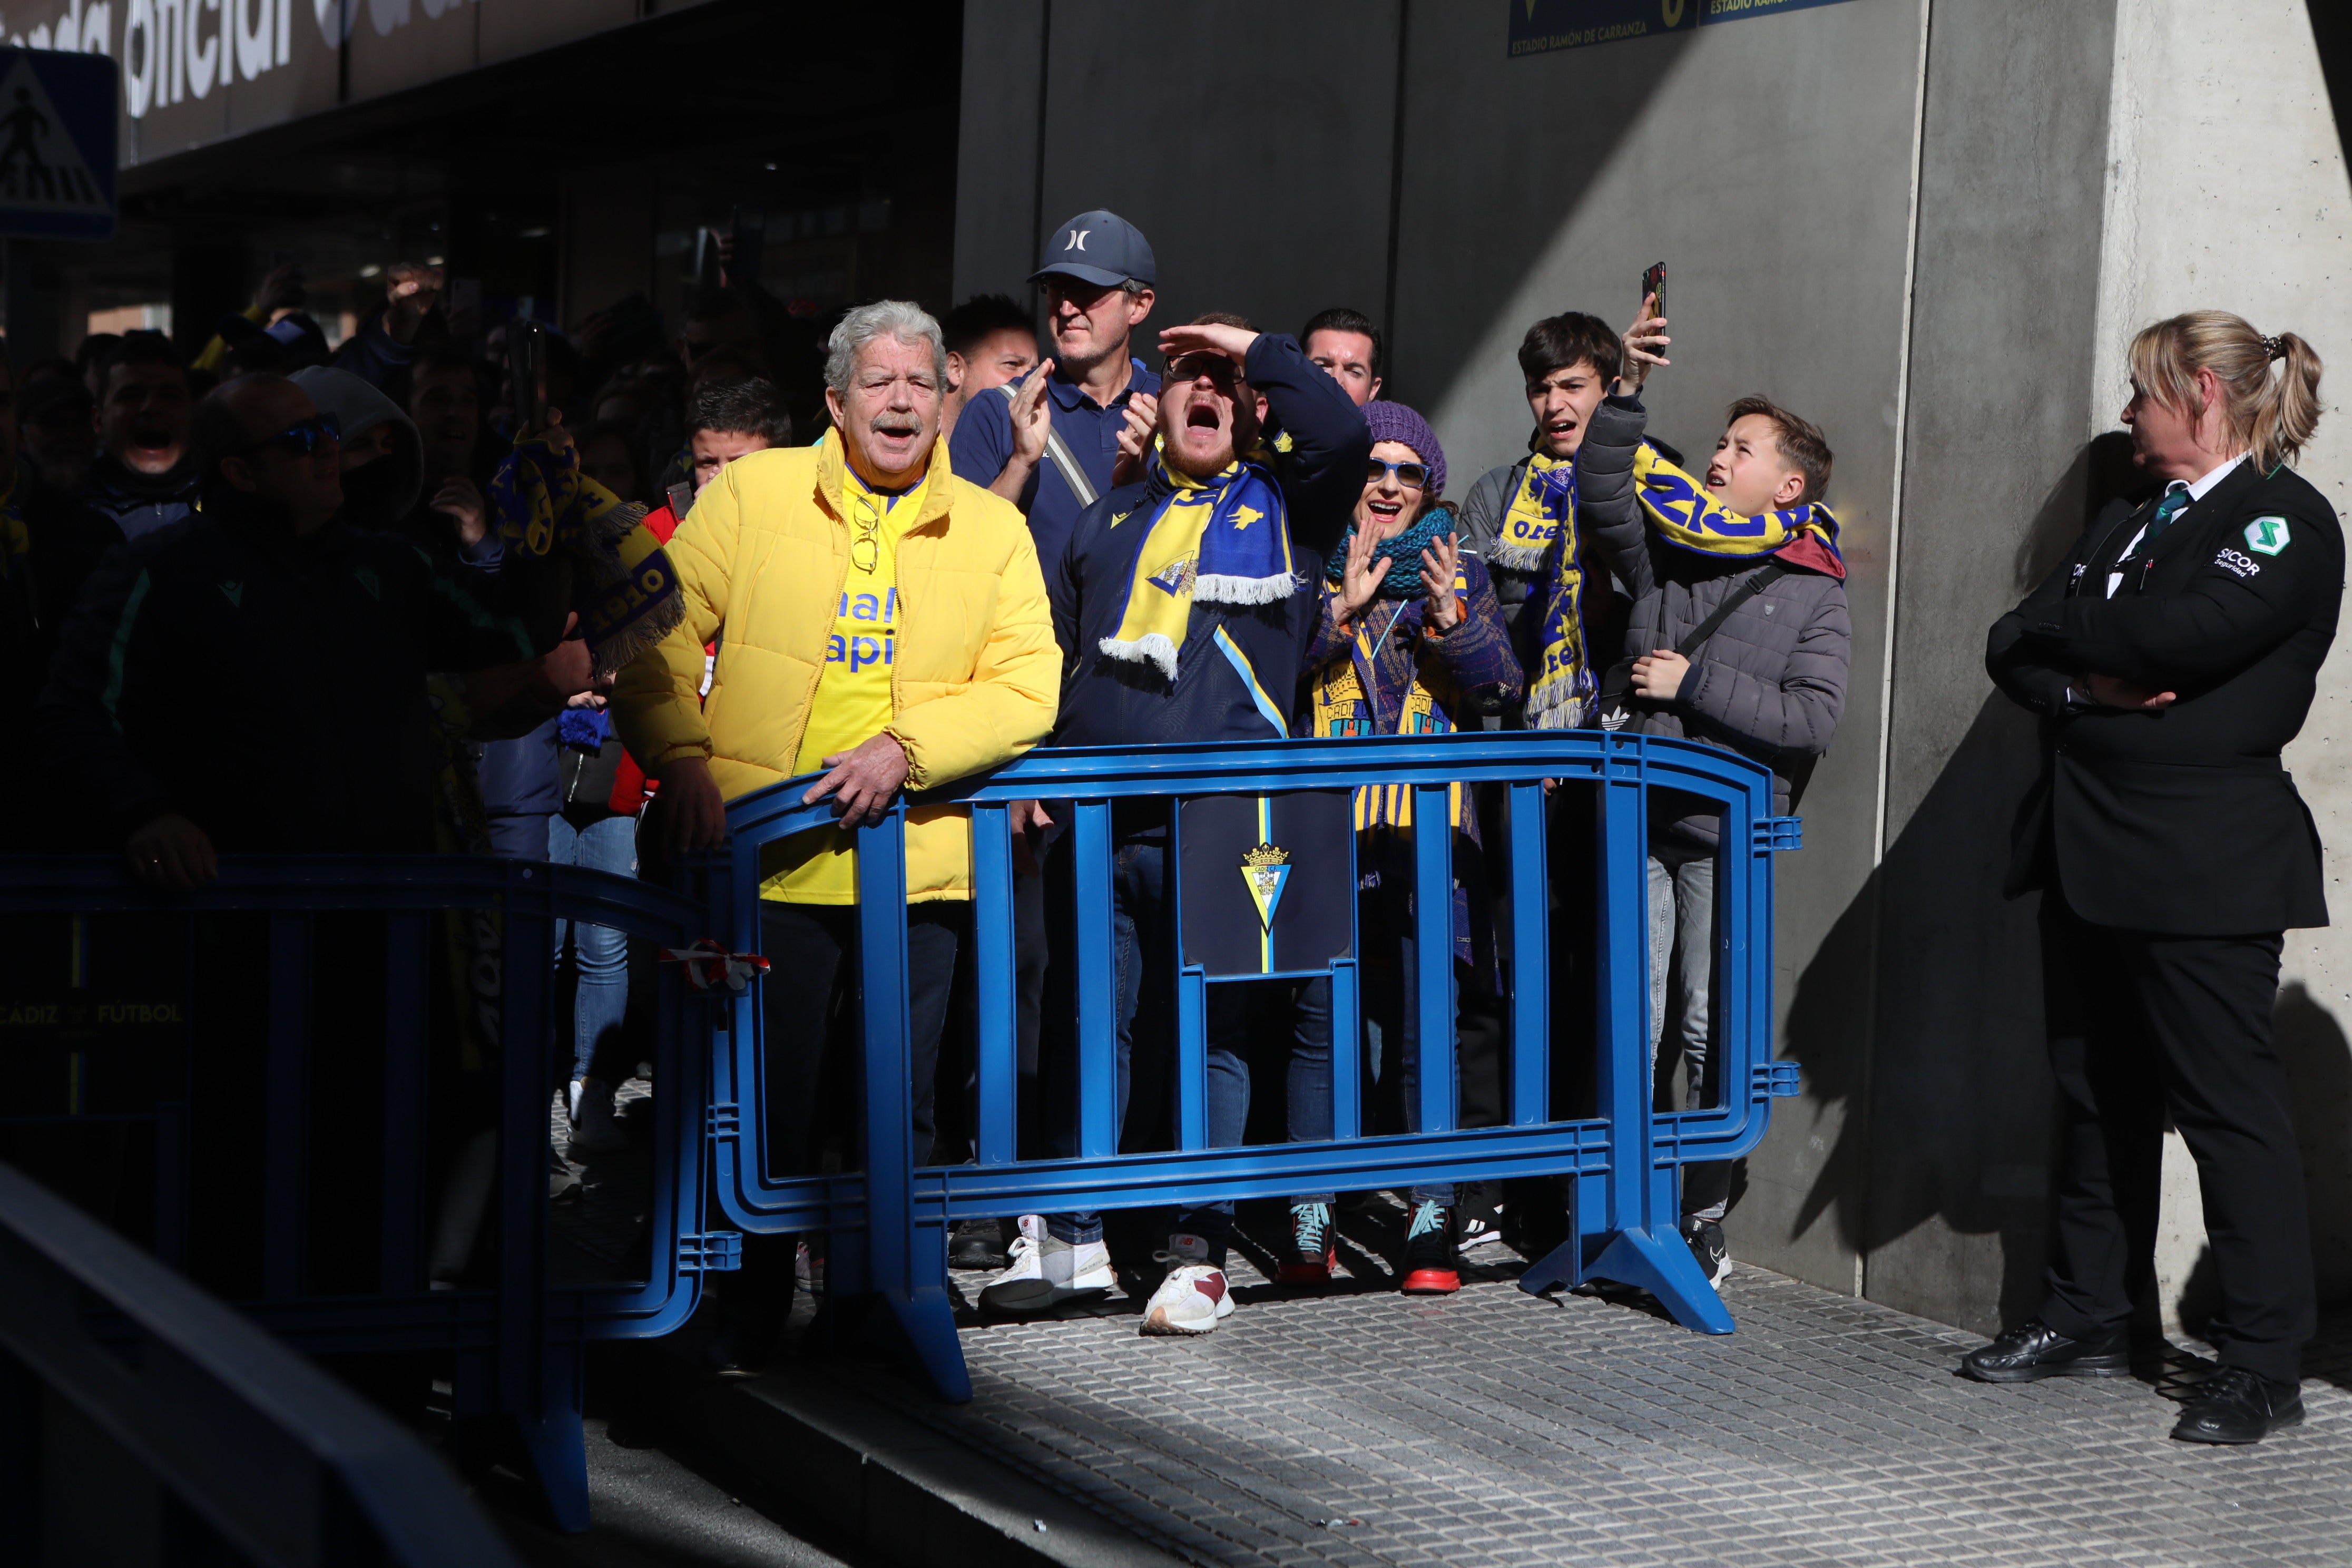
[2143, 1026]
[806, 944]
[809, 1012]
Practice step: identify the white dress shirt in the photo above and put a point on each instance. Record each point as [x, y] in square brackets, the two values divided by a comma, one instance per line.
[2197, 489]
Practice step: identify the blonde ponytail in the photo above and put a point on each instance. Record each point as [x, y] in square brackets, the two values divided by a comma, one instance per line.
[2286, 410]
[2271, 416]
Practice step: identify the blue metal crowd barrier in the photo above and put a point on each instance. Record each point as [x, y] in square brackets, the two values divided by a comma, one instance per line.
[517, 1339]
[259, 1450]
[888, 1219]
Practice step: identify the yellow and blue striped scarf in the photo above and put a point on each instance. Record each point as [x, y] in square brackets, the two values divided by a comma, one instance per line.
[1222, 539]
[1682, 512]
[1541, 509]
[626, 593]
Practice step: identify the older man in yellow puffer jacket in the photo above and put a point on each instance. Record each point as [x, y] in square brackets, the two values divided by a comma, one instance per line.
[883, 622]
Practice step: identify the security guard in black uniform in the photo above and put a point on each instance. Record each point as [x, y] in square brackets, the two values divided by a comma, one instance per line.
[2171, 656]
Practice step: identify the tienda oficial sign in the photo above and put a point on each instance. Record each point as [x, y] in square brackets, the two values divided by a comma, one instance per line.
[196, 71]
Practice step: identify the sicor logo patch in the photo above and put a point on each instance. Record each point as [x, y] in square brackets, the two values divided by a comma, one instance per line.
[2268, 535]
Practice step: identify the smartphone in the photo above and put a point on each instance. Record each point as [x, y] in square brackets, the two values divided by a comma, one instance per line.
[706, 258]
[527, 374]
[1654, 281]
[750, 229]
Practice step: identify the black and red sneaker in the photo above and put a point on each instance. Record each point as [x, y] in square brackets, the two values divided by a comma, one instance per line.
[1311, 1255]
[1431, 1267]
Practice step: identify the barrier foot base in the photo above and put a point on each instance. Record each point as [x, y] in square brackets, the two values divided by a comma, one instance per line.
[925, 1320]
[556, 1448]
[1662, 1265]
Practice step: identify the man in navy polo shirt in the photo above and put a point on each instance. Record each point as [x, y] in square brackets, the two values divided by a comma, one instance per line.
[1097, 275]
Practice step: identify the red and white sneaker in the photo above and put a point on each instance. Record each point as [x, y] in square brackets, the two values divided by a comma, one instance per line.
[1194, 1298]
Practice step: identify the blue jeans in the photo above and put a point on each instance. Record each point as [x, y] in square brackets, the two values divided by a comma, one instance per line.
[1682, 945]
[1143, 934]
[1390, 979]
[610, 845]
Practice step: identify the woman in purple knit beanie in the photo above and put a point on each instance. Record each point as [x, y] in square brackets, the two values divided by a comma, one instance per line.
[1411, 642]
[1395, 421]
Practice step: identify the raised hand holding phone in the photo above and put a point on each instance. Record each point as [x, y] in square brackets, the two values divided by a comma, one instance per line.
[1647, 335]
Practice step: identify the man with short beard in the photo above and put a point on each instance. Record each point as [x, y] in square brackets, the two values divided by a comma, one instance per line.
[1180, 607]
[143, 479]
[885, 629]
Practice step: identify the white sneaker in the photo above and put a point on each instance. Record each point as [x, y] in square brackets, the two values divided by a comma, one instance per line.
[595, 1129]
[1046, 1272]
[1194, 1298]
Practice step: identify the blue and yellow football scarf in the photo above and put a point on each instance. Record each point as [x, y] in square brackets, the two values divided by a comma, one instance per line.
[1346, 706]
[1224, 540]
[622, 587]
[1562, 684]
[1542, 508]
[1682, 512]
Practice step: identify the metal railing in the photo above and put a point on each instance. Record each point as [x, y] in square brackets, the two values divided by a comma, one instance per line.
[888, 1219]
[516, 1333]
[267, 1453]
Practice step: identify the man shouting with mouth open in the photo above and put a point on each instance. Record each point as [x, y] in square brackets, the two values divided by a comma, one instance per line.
[1182, 615]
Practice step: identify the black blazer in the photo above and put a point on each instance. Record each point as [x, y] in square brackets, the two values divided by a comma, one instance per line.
[2181, 822]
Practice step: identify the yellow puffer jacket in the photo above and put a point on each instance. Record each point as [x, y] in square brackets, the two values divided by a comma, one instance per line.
[761, 559]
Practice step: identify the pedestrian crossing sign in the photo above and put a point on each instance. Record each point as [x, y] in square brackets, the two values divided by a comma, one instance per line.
[57, 144]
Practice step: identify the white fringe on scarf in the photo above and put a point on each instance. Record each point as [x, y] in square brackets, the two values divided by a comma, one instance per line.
[1516, 557]
[1153, 648]
[1217, 588]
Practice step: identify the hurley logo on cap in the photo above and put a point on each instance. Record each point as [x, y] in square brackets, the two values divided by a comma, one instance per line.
[1077, 240]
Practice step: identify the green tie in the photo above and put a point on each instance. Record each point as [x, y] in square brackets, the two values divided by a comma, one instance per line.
[2175, 502]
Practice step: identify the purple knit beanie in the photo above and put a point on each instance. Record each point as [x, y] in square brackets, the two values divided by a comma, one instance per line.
[1395, 421]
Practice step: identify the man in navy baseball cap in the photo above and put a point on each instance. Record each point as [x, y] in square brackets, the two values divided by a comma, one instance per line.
[1099, 247]
[1047, 443]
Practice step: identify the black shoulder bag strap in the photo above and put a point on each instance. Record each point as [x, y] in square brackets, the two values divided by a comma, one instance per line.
[1613, 709]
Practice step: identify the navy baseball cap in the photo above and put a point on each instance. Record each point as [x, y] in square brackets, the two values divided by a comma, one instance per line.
[1099, 247]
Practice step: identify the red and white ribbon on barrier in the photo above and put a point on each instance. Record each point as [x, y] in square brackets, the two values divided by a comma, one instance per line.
[708, 963]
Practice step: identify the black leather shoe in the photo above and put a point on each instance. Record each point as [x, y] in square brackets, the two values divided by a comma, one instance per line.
[2034, 1350]
[2239, 1406]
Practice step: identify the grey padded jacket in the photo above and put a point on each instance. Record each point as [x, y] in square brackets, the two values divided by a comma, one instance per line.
[1770, 684]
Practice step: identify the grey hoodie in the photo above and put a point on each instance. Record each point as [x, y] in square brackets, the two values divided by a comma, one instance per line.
[378, 494]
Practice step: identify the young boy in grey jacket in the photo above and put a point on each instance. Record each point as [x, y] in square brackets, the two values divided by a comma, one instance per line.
[1769, 683]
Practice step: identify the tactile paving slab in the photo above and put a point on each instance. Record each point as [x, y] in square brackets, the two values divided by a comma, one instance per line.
[1495, 1427]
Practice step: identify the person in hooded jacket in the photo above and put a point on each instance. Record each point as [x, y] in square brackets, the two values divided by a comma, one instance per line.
[1769, 682]
[384, 475]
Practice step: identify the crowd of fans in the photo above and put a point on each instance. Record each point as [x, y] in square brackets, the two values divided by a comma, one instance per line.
[359, 525]
[398, 597]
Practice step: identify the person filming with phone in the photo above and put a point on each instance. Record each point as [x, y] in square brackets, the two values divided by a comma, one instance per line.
[1739, 637]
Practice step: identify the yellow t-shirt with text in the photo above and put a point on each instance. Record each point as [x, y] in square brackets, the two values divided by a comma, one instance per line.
[853, 702]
